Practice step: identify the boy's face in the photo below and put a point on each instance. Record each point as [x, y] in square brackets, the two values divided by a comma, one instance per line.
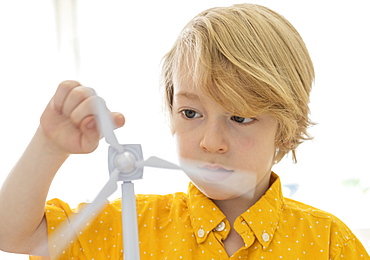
[225, 156]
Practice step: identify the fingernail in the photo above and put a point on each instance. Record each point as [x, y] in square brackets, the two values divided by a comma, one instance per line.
[91, 125]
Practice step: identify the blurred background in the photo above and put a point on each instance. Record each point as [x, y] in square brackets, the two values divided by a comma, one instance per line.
[116, 47]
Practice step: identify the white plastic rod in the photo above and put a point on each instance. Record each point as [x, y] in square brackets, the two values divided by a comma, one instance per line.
[68, 43]
[129, 222]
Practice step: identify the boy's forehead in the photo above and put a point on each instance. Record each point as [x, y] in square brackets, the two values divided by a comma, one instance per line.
[187, 91]
[185, 87]
[202, 84]
[183, 97]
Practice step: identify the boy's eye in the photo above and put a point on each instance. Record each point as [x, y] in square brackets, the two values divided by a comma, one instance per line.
[241, 120]
[190, 113]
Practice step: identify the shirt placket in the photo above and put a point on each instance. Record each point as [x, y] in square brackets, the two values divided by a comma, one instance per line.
[248, 236]
[210, 241]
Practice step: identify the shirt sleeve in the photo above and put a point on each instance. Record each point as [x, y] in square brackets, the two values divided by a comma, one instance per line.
[100, 239]
[352, 249]
[346, 245]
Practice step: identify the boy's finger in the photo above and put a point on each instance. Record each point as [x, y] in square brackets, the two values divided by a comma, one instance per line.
[75, 97]
[83, 110]
[89, 123]
[90, 134]
[86, 109]
[119, 119]
[61, 94]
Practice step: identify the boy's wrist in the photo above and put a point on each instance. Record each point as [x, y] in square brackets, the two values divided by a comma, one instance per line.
[48, 146]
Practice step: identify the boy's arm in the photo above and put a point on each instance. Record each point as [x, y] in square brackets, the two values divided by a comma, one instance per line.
[67, 126]
[23, 195]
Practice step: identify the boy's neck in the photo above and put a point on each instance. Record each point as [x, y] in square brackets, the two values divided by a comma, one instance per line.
[233, 208]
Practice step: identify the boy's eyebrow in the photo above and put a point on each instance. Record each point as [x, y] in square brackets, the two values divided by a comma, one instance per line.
[187, 95]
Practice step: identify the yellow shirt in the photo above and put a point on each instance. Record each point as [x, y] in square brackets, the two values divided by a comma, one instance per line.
[190, 226]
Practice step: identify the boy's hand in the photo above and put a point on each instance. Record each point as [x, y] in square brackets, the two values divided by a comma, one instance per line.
[69, 122]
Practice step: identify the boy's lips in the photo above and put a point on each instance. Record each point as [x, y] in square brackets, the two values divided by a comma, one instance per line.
[214, 173]
[215, 167]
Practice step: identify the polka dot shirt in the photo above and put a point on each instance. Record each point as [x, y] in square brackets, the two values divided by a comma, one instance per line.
[190, 226]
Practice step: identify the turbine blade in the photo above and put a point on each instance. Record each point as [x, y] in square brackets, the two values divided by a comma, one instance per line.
[106, 124]
[68, 230]
[156, 162]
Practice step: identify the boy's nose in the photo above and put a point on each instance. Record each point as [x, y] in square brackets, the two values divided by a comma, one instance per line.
[214, 140]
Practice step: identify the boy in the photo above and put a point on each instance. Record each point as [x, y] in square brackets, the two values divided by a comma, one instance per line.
[237, 84]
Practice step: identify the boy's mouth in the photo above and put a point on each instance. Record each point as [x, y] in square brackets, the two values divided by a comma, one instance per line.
[214, 173]
[214, 167]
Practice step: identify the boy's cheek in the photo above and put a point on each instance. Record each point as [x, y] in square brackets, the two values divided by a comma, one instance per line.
[174, 126]
[182, 147]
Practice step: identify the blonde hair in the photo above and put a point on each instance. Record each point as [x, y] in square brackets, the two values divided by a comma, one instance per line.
[250, 60]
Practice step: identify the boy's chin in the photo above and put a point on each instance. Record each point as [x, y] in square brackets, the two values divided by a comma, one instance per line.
[220, 192]
[224, 190]
[218, 182]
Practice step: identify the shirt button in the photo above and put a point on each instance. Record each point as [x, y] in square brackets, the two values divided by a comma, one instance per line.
[201, 232]
[221, 226]
[265, 237]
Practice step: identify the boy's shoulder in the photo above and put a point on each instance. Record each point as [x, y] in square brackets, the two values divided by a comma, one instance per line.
[323, 226]
[293, 206]
[161, 201]
[160, 198]
[316, 219]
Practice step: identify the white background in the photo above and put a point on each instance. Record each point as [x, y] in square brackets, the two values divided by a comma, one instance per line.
[121, 45]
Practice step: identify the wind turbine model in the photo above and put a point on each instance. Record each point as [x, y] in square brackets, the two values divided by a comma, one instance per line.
[125, 164]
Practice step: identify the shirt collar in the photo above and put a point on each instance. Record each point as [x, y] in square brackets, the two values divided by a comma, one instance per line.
[262, 218]
[204, 214]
